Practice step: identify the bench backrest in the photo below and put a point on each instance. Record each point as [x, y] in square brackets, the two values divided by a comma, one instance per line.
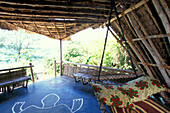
[12, 74]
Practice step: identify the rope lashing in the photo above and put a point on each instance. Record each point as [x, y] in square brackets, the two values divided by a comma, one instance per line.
[111, 8]
[115, 9]
[114, 5]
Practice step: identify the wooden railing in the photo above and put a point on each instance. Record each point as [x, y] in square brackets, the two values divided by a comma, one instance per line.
[17, 68]
[69, 68]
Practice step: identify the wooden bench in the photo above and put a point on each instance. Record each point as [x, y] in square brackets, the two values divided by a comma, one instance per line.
[13, 78]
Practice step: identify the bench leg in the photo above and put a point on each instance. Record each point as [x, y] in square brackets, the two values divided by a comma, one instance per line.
[25, 84]
[76, 79]
[10, 89]
[83, 81]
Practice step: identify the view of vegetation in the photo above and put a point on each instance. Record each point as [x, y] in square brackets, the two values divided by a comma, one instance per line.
[18, 48]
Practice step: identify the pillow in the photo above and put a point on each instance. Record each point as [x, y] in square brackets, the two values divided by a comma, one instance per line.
[142, 88]
[111, 95]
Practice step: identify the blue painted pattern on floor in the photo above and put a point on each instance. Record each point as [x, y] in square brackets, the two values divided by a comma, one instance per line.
[56, 95]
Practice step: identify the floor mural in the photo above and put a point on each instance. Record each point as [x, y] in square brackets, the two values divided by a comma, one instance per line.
[58, 82]
[55, 95]
[49, 105]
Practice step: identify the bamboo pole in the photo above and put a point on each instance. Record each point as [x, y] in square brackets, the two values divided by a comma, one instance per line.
[152, 52]
[136, 51]
[152, 36]
[152, 49]
[128, 10]
[120, 42]
[166, 8]
[153, 18]
[158, 58]
[65, 30]
[47, 29]
[57, 31]
[36, 27]
[61, 72]
[32, 74]
[136, 45]
[162, 16]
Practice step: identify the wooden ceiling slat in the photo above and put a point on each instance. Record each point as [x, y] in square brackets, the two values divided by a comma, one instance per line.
[42, 20]
[57, 31]
[48, 18]
[60, 11]
[36, 27]
[22, 25]
[53, 15]
[47, 29]
[65, 29]
[74, 4]
[89, 10]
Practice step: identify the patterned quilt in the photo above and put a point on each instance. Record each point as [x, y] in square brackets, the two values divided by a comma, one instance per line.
[132, 91]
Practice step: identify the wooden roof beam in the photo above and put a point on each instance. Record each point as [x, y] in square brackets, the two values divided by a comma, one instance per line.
[76, 4]
[36, 27]
[57, 31]
[59, 17]
[41, 20]
[65, 29]
[128, 10]
[151, 48]
[152, 36]
[154, 65]
[47, 29]
[53, 15]
[68, 10]
[23, 25]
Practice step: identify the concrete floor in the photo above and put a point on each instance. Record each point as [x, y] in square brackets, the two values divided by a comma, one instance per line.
[56, 95]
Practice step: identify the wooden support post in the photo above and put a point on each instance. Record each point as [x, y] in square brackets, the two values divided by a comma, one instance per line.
[32, 75]
[152, 49]
[120, 42]
[133, 7]
[55, 68]
[61, 73]
[163, 16]
[131, 44]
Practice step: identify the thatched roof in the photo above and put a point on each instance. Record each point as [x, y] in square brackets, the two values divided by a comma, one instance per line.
[145, 24]
[56, 18]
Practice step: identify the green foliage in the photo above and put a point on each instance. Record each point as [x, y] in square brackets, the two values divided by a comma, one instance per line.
[75, 52]
[18, 48]
[91, 53]
[49, 65]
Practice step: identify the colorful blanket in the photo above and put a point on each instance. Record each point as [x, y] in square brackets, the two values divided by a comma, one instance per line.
[124, 96]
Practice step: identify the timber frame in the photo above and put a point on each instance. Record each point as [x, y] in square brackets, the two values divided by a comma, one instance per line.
[145, 24]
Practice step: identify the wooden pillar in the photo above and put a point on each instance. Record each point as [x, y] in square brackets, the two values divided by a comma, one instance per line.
[61, 72]
[32, 75]
[55, 68]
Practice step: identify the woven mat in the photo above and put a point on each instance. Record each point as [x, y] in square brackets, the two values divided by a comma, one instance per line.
[146, 106]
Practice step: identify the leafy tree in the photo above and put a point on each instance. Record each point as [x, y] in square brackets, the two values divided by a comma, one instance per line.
[91, 53]
[75, 52]
[17, 45]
